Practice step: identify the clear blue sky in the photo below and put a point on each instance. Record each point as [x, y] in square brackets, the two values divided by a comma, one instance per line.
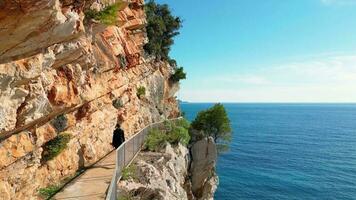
[267, 50]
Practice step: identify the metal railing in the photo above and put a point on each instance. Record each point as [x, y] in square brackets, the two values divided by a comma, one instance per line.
[126, 153]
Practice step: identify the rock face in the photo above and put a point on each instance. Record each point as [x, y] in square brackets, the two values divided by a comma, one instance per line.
[159, 176]
[203, 177]
[174, 173]
[55, 64]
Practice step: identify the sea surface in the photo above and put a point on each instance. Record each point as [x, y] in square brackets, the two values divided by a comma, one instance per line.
[287, 151]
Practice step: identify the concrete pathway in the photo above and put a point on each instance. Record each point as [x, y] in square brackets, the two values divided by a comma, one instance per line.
[92, 184]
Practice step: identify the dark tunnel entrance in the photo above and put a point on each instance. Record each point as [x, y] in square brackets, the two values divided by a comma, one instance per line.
[118, 137]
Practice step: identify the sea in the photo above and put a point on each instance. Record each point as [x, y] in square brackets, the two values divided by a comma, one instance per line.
[287, 151]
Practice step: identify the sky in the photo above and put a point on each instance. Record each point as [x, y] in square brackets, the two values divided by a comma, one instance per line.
[266, 50]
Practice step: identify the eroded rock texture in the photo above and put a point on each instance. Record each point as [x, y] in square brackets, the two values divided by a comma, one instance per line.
[174, 173]
[158, 175]
[203, 177]
[54, 62]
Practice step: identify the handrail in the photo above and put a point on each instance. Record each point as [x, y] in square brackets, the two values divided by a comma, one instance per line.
[126, 153]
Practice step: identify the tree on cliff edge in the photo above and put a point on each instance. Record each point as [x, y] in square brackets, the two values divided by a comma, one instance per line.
[213, 122]
[161, 28]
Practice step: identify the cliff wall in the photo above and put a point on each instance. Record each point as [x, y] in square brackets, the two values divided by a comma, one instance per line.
[63, 73]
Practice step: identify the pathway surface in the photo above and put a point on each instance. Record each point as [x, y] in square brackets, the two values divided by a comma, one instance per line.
[92, 184]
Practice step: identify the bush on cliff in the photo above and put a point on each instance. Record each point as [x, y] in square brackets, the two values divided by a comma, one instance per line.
[49, 191]
[161, 28]
[141, 91]
[213, 122]
[54, 147]
[155, 140]
[129, 172]
[178, 75]
[107, 16]
[172, 132]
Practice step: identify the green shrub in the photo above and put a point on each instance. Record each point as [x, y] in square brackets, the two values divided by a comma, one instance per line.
[54, 147]
[161, 28]
[49, 191]
[141, 91]
[178, 134]
[129, 172]
[59, 123]
[117, 103]
[183, 123]
[155, 140]
[107, 16]
[178, 75]
[172, 132]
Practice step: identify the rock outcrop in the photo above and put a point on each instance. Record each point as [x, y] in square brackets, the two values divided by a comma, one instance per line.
[203, 177]
[159, 176]
[57, 65]
[174, 173]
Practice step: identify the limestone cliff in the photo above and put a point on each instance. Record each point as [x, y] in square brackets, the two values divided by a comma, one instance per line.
[58, 67]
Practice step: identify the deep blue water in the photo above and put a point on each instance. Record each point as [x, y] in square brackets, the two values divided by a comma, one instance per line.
[288, 151]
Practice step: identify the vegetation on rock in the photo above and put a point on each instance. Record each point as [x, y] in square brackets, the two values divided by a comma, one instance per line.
[129, 172]
[49, 191]
[213, 122]
[161, 28]
[54, 147]
[173, 132]
[141, 91]
[178, 75]
[107, 16]
[117, 103]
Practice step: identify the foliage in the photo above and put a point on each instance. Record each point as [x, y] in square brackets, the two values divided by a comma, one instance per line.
[60, 123]
[183, 123]
[172, 132]
[141, 91]
[49, 191]
[161, 28]
[117, 103]
[54, 147]
[129, 172]
[178, 75]
[107, 16]
[155, 140]
[178, 134]
[213, 122]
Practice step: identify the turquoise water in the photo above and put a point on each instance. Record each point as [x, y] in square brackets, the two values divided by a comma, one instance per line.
[288, 151]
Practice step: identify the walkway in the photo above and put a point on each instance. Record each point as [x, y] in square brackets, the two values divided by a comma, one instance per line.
[92, 184]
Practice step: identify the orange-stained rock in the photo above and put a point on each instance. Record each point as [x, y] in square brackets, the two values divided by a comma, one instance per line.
[49, 65]
[45, 133]
[15, 147]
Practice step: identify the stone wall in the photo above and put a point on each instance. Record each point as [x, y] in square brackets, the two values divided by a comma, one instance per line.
[54, 62]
